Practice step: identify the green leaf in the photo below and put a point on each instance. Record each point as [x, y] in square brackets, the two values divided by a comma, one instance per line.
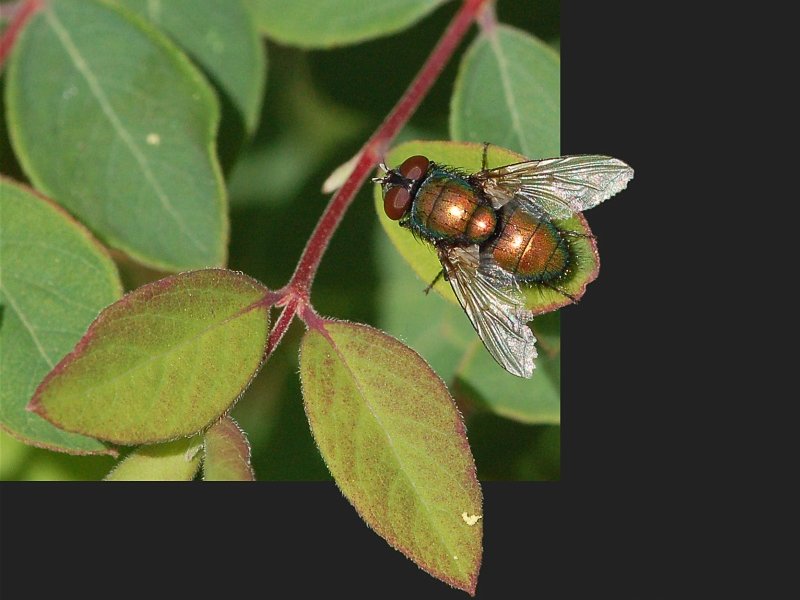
[173, 461]
[441, 333]
[54, 279]
[396, 446]
[423, 259]
[227, 453]
[508, 92]
[165, 361]
[222, 40]
[327, 23]
[123, 137]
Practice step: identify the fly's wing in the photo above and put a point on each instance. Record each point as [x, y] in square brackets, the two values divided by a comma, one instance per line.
[556, 188]
[495, 307]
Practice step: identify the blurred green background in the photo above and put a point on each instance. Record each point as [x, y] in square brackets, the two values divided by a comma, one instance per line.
[315, 116]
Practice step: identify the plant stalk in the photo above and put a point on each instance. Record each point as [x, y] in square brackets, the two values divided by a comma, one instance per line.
[296, 293]
[378, 143]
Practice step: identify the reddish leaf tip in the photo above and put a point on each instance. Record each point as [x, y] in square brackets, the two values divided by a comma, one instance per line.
[139, 300]
[35, 405]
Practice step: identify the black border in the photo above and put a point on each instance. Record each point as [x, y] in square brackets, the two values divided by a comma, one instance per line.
[287, 539]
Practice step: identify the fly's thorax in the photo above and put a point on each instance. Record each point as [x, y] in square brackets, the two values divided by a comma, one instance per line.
[532, 249]
[447, 208]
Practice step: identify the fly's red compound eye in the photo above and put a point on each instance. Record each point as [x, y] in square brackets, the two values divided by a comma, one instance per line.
[414, 167]
[396, 201]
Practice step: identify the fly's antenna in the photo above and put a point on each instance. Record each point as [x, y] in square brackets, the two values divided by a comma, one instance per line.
[383, 166]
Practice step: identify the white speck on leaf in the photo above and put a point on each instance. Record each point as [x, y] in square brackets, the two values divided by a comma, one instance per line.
[153, 139]
[470, 519]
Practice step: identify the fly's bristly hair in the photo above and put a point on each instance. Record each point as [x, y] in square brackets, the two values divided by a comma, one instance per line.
[417, 234]
[457, 171]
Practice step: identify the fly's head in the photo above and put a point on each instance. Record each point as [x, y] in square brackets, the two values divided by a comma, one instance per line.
[400, 185]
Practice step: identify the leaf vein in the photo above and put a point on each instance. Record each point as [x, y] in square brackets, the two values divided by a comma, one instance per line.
[27, 326]
[56, 249]
[53, 292]
[199, 335]
[508, 92]
[105, 105]
[421, 499]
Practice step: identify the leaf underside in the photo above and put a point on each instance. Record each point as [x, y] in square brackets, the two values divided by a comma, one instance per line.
[395, 444]
[172, 461]
[165, 361]
[227, 453]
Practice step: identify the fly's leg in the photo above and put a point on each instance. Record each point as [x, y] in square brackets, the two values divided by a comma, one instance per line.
[485, 153]
[435, 279]
[561, 291]
[575, 234]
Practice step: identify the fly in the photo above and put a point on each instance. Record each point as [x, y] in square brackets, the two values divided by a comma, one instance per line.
[493, 232]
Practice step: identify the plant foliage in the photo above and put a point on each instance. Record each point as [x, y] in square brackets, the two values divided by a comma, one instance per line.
[127, 127]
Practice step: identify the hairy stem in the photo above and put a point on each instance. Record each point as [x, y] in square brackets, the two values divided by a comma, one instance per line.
[282, 324]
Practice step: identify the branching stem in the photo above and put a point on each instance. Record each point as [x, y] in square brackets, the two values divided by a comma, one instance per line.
[298, 289]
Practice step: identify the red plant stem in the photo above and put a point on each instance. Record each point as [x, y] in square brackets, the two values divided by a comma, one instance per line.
[281, 325]
[375, 147]
[21, 17]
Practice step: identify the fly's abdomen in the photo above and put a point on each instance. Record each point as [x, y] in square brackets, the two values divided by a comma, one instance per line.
[530, 248]
[447, 208]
